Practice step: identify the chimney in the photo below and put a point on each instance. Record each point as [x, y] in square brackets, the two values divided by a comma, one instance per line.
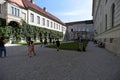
[44, 8]
[32, 1]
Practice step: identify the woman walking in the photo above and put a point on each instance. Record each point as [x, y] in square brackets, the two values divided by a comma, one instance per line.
[31, 49]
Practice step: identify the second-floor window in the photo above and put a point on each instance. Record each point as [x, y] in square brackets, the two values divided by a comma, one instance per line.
[54, 25]
[15, 11]
[59, 27]
[112, 14]
[106, 22]
[47, 23]
[0, 8]
[63, 29]
[24, 15]
[43, 21]
[106, 2]
[38, 19]
[51, 24]
[71, 30]
[32, 17]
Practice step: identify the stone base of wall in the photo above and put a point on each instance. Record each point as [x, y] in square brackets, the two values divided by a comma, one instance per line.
[113, 45]
[111, 38]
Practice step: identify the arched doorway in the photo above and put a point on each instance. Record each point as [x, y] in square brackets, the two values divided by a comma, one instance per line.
[15, 31]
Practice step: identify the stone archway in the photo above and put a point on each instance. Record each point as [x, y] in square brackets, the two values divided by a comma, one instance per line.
[14, 24]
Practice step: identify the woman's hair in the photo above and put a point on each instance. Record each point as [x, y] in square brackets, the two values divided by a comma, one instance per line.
[31, 42]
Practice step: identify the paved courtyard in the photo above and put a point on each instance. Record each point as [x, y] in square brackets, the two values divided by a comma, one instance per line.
[49, 64]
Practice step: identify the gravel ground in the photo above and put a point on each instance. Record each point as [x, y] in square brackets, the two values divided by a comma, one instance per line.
[50, 64]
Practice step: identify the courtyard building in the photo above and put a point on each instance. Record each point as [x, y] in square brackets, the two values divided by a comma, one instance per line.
[106, 18]
[80, 30]
[14, 12]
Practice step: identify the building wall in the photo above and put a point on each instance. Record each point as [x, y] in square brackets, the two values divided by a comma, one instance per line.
[10, 16]
[3, 11]
[26, 15]
[103, 17]
[79, 30]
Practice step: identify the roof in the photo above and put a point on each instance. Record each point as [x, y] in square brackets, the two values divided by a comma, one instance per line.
[18, 2]
[80, 22]
[27, 4]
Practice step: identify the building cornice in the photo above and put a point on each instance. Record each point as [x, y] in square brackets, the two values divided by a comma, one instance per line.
[80, 22]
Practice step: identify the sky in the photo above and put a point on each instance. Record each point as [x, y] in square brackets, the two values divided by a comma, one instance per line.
[68, 10]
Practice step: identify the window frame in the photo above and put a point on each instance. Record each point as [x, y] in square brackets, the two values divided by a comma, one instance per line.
[43, 21]
[38, 19]
[112, 15]
[31, 17]
[0, 8]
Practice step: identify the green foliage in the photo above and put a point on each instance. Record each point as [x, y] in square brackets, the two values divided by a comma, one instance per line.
[66, 46]
[25, 43]
[5, 31]
[33, 31]
[71, 46]
[2, 22]
[14, 24]
[14, 29]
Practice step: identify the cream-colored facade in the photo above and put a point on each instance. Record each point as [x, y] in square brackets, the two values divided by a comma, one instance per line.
[106, 18]
[12, 10]
[80, 30]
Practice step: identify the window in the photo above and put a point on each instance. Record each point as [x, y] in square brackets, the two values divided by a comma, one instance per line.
[38, 19]
[0, 8]
[106, 2]
[106, 22]
[63, 29]
[24, 15]
[104, 39]
[59, 27]
[87, 29]
[111, 40]
[32, 17]
[43, 20]
[12, 10]
[15, 11]
[112, 14]
[47, 23]
[71, 30]
[54, 25]
[51, 24]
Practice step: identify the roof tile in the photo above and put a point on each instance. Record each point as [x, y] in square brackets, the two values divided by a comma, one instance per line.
[19, 2]
[30, 5]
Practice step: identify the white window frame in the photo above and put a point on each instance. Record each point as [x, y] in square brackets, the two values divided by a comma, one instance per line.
[31, 17]
[24, 15]
[43, 21]
[51, 24]
[47, 23]
[15, 11]
[38, 19]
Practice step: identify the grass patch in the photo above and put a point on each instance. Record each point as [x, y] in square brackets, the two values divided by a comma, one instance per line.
[66, 46]
[25, 43]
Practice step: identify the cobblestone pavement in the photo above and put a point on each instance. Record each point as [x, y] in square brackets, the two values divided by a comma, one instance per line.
[50, 64]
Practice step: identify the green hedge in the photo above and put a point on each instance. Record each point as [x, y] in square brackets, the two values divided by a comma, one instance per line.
[26, 30]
